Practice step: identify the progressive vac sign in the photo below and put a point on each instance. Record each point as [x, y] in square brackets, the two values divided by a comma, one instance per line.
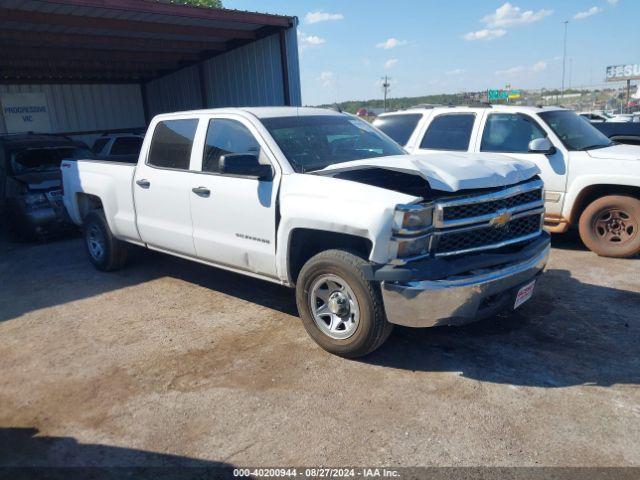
[26, 112]
[618, 73]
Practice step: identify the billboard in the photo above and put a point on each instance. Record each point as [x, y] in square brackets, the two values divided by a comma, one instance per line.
[619, 73]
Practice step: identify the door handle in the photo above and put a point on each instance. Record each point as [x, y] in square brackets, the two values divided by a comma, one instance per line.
[143, 183]
[201, 191]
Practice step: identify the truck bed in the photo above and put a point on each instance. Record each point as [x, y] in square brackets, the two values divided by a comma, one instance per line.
[108, 183]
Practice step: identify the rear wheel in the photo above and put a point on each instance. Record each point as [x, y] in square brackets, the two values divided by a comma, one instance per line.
[105, 251]
[609, 226]
[340, 309]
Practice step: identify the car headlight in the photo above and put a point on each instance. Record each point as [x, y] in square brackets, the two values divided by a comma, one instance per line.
[34, 199]
[412, 247]
[412, 219]
[412, 226]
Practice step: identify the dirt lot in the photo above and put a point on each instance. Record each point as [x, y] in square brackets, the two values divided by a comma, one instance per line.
[170, 361]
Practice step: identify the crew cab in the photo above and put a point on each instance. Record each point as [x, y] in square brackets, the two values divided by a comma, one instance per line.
[590, 181]
[321, 201]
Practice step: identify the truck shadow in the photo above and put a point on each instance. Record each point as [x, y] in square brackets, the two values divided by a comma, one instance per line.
[25, 455]
[42, 275]
[572, 333]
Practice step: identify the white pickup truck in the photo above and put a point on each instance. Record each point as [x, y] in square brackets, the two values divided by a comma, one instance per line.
[322, 201]
[590, 181]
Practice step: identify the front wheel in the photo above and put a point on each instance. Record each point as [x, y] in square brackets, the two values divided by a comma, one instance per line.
[340, 309]
[609, 226]
[106, 252]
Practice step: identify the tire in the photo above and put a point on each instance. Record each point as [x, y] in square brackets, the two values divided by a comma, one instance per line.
[357, 339]
[610, 226]
[105, 251]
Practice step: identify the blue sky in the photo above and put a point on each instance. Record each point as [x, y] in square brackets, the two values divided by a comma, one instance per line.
[429, 46]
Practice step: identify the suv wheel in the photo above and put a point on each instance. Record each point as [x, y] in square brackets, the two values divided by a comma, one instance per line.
[340, 309]
[106, 252]
[610, 225]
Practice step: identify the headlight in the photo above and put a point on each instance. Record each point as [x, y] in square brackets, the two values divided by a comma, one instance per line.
[411, 231]
[34, 199]
[413, 247]
[412, 219]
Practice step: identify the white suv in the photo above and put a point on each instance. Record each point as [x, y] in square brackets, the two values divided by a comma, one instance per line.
[590, 181]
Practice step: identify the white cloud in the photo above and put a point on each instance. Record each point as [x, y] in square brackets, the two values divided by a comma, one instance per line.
[510, 72]
[457, 71]
[485, 34]
[326, 79]
[509, 15]
[319, 16]
[311, 40]
[392, 62]
[587, 13]
[391, 43]
[539, 66]
[613, 3]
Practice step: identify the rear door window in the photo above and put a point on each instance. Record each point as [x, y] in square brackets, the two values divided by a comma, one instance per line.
[398, 127]
[449, 132]
[509, 133]
[171, 143]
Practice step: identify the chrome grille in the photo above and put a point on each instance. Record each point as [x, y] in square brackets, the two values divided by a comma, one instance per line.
[481, 237]
[458, 212]
[488, 220]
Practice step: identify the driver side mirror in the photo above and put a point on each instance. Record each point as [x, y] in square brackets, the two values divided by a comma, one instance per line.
[245, 165]
[541, 145]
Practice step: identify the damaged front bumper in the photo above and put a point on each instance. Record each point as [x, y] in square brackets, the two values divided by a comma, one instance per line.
[462, 298]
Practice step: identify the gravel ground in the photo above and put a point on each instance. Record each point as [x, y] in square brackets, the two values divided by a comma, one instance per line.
[171, 362]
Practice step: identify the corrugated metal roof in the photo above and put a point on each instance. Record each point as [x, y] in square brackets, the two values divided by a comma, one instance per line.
[118, 19]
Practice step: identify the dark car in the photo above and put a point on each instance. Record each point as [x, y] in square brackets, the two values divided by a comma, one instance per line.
[31, 185]
[621, 132]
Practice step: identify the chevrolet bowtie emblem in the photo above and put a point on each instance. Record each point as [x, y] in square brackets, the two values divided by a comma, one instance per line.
[500, 219]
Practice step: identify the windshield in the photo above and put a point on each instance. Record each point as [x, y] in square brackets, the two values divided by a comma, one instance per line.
[39, 159]
[313, 142]
[574, 131]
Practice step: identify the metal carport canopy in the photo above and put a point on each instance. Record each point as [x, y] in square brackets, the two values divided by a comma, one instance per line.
[128, 41]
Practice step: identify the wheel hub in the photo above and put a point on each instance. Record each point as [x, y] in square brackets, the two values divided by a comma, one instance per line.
[334, 306]
[95, 242]
[339, 304]
[615, 225]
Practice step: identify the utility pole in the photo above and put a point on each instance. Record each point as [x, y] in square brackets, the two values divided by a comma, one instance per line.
[570, 72]
[385, 86]
[564, 56]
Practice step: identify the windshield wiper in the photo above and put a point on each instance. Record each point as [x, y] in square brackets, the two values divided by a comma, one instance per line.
[593, 147]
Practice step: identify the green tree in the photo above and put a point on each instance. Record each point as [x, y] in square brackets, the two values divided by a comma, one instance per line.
[200, 3]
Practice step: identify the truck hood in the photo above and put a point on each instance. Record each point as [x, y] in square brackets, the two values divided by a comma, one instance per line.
[448, 172]
[616, 152]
